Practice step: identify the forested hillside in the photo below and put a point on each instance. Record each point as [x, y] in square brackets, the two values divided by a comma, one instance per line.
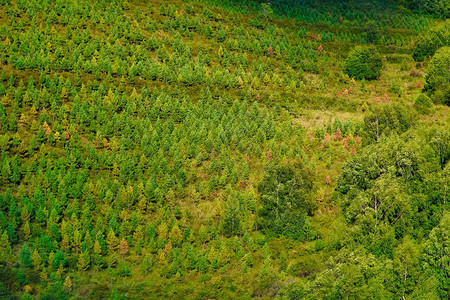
[224, 149]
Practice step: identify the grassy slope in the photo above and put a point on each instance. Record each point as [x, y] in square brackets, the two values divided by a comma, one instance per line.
[313, 105]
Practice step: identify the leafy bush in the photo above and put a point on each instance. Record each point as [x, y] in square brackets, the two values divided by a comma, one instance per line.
[438, 77]
[427, 44]
[286, 197]
[382, 173]
[363, 63]
[386, 119]
[423, 104]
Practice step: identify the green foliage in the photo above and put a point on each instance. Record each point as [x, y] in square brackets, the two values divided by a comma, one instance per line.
[431, 41]
[438, 77]
[266, 11]
[382, 190]
[55, 291]
[363, 63]
[439, 8]
[386, 119]
[232, 222]
[133, 149]
[25, 256]
[372, 32]
[286, 198]
[406, 266]
[426, 46]
[423, 104]
[436, 254]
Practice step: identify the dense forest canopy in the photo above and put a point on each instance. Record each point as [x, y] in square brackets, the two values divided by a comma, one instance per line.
[224, 149]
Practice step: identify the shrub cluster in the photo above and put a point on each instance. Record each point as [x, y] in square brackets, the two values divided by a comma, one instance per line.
[438, 77]
[429, 43]
[363, 63]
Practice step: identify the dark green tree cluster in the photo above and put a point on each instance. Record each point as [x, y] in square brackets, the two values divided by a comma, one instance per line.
[363, 63]
[387, 119]
[438, 77]
[286, 201]
[429, 42]
[393, 236]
